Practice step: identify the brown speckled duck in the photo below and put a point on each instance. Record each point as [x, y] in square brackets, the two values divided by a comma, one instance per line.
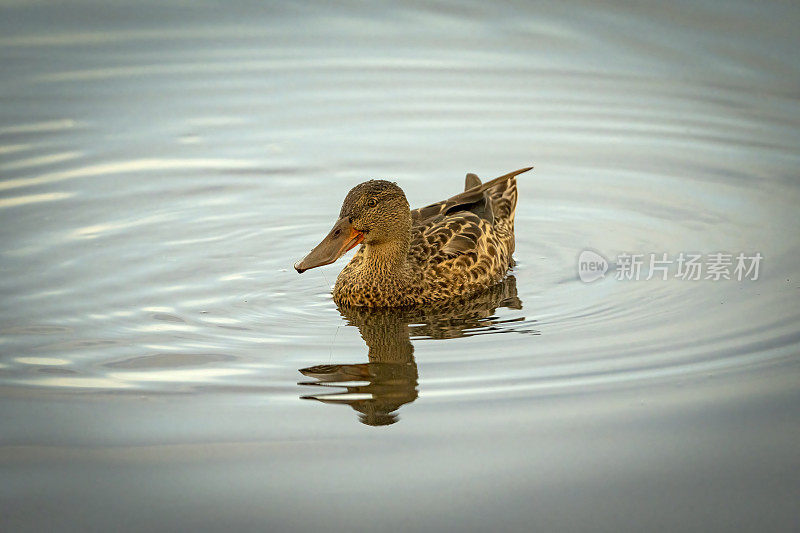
[448, 249]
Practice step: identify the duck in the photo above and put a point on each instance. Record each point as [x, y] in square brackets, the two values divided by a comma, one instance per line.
[446, 250]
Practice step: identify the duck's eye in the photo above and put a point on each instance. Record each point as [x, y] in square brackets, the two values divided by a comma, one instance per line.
[372, 202]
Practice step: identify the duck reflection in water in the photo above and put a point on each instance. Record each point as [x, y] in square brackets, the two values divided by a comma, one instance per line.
[378, 388]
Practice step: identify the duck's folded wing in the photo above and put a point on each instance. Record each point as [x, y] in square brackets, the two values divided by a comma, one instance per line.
[474, 200]
[447, 236]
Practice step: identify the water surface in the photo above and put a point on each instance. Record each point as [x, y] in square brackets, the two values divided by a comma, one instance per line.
[162, 366]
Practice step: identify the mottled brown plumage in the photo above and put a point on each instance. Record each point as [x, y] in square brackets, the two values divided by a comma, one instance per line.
[451, 248]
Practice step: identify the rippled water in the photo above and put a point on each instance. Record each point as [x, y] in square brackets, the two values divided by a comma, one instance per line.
[162, 366]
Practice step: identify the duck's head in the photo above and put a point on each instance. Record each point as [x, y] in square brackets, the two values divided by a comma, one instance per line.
[374, 212]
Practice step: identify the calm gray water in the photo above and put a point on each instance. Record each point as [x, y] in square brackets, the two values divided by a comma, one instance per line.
[162, 366]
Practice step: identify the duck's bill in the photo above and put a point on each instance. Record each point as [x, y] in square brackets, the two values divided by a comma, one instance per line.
[341, 238]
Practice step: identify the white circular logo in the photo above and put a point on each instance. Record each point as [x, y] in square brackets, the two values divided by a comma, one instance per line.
[591, 266]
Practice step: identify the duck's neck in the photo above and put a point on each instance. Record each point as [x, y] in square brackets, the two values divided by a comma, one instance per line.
[380, 274]
[387, 259]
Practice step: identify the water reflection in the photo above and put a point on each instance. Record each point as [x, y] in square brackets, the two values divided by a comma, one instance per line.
[378, 388]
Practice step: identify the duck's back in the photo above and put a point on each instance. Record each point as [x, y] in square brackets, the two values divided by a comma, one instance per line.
[465, 244]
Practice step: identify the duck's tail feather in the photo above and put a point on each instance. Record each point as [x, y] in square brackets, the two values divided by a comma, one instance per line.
[502, 193]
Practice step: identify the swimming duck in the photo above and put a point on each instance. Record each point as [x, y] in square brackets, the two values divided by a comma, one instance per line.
[445, 250]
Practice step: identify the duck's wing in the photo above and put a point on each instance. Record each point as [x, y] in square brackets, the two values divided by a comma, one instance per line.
[471, 181]
[479, 199]
[443, 237]
[477, 223]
